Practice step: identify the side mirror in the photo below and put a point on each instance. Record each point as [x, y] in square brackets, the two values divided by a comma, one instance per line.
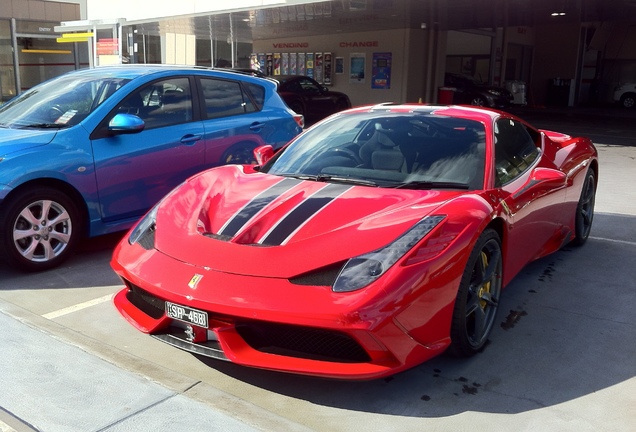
[263, 153]
[548, 175]
[546, 179]
[126, 124]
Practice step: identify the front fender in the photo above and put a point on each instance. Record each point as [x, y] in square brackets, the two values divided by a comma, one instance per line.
[67, 159]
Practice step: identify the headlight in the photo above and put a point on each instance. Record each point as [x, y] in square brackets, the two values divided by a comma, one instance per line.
[145, 229]
[360, 271]
[144, 232]
[494, 92]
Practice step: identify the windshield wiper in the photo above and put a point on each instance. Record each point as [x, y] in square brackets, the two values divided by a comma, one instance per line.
[431, 185]
[45, 126]
[330, 178]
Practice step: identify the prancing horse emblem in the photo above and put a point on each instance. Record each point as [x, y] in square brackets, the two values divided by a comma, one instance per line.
[195, 281]
[189, 331]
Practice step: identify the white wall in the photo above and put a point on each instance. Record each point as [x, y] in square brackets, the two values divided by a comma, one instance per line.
[177, 48]
[462, 43]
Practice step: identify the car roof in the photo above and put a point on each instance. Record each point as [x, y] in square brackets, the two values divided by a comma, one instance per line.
[485, 115]
[133, 71]
[285, 78]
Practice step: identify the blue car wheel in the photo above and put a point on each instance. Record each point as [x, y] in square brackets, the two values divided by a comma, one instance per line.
[40, 228]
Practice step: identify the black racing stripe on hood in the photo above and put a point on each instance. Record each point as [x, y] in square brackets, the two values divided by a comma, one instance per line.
[249, 210]
[302, 213]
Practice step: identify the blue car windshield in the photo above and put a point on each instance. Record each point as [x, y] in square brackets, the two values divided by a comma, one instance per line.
[384, 149]
[58, 103]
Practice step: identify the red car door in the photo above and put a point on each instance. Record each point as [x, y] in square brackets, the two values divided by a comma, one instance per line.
[532, 195]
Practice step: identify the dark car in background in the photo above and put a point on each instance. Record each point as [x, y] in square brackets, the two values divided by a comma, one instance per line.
[469, 91]
[306, 96]
[89, 152]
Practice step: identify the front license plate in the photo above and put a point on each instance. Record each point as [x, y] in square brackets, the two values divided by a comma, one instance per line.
[186, 314]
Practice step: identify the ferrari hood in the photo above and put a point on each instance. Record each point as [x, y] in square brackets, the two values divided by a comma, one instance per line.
[253, 223]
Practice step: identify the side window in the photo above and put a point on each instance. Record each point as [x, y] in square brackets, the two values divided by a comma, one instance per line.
[516, 148]
[258, 94]
[224, 98]
[309, 86]
[292, 86]
[162, 103]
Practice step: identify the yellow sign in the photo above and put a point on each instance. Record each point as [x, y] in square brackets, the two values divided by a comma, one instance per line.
[75, 37]
[82, 35]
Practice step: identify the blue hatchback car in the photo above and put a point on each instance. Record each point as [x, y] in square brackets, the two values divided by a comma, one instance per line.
[89, 152]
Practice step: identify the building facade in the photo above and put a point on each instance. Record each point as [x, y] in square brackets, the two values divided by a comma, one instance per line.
[567, 53]
[29, 51]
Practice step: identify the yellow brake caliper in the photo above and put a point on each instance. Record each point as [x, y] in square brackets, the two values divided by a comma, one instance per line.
[485, 288]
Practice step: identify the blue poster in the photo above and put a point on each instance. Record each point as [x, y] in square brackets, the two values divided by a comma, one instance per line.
[381, 71]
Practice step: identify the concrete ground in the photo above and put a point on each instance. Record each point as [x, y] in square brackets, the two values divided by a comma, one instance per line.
[562, 357]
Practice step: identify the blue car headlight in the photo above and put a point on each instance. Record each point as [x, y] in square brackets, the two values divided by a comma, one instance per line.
[360, 271]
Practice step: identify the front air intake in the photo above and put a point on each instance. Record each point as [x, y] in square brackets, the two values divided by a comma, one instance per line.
[302, 342]
[145, 302]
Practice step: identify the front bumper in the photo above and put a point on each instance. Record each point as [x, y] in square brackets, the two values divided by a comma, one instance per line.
[306, 334]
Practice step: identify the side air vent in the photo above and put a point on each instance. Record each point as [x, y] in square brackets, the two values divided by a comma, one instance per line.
[325, 276]
[221, 237]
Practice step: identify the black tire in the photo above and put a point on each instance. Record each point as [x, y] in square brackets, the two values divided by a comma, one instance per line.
[478, 297]
[585, 210]
[39, 229]
[628, 100]
[241, 154]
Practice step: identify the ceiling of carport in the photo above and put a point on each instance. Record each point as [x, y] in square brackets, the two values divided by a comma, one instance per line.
[373, 15]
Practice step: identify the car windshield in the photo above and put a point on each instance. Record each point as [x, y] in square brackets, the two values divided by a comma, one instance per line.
[58, 103]
[393, 150]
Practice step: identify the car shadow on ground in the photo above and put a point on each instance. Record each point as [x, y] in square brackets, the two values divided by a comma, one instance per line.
[84, 268]
[560, 334]
[563, 332]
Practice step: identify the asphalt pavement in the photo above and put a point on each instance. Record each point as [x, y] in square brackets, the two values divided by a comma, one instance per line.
[562, 360]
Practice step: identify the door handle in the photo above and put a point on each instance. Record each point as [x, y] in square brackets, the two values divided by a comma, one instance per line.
[256, 127]
[190, 139]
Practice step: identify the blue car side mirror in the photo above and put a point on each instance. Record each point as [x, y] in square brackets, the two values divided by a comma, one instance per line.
[126, 123]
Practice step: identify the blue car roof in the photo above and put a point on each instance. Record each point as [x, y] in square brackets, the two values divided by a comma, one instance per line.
[137, 70]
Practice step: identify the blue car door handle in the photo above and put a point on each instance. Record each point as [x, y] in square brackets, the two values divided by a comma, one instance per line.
[190, 139]
[256, 127]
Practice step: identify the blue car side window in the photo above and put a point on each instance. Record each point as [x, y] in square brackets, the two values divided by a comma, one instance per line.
[162, 103]
[224, 98]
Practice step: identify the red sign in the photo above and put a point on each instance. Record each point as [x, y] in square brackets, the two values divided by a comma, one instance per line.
[108, 46]
[361, 44]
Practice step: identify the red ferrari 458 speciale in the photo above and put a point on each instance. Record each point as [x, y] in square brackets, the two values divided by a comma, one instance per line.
[375, 240]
